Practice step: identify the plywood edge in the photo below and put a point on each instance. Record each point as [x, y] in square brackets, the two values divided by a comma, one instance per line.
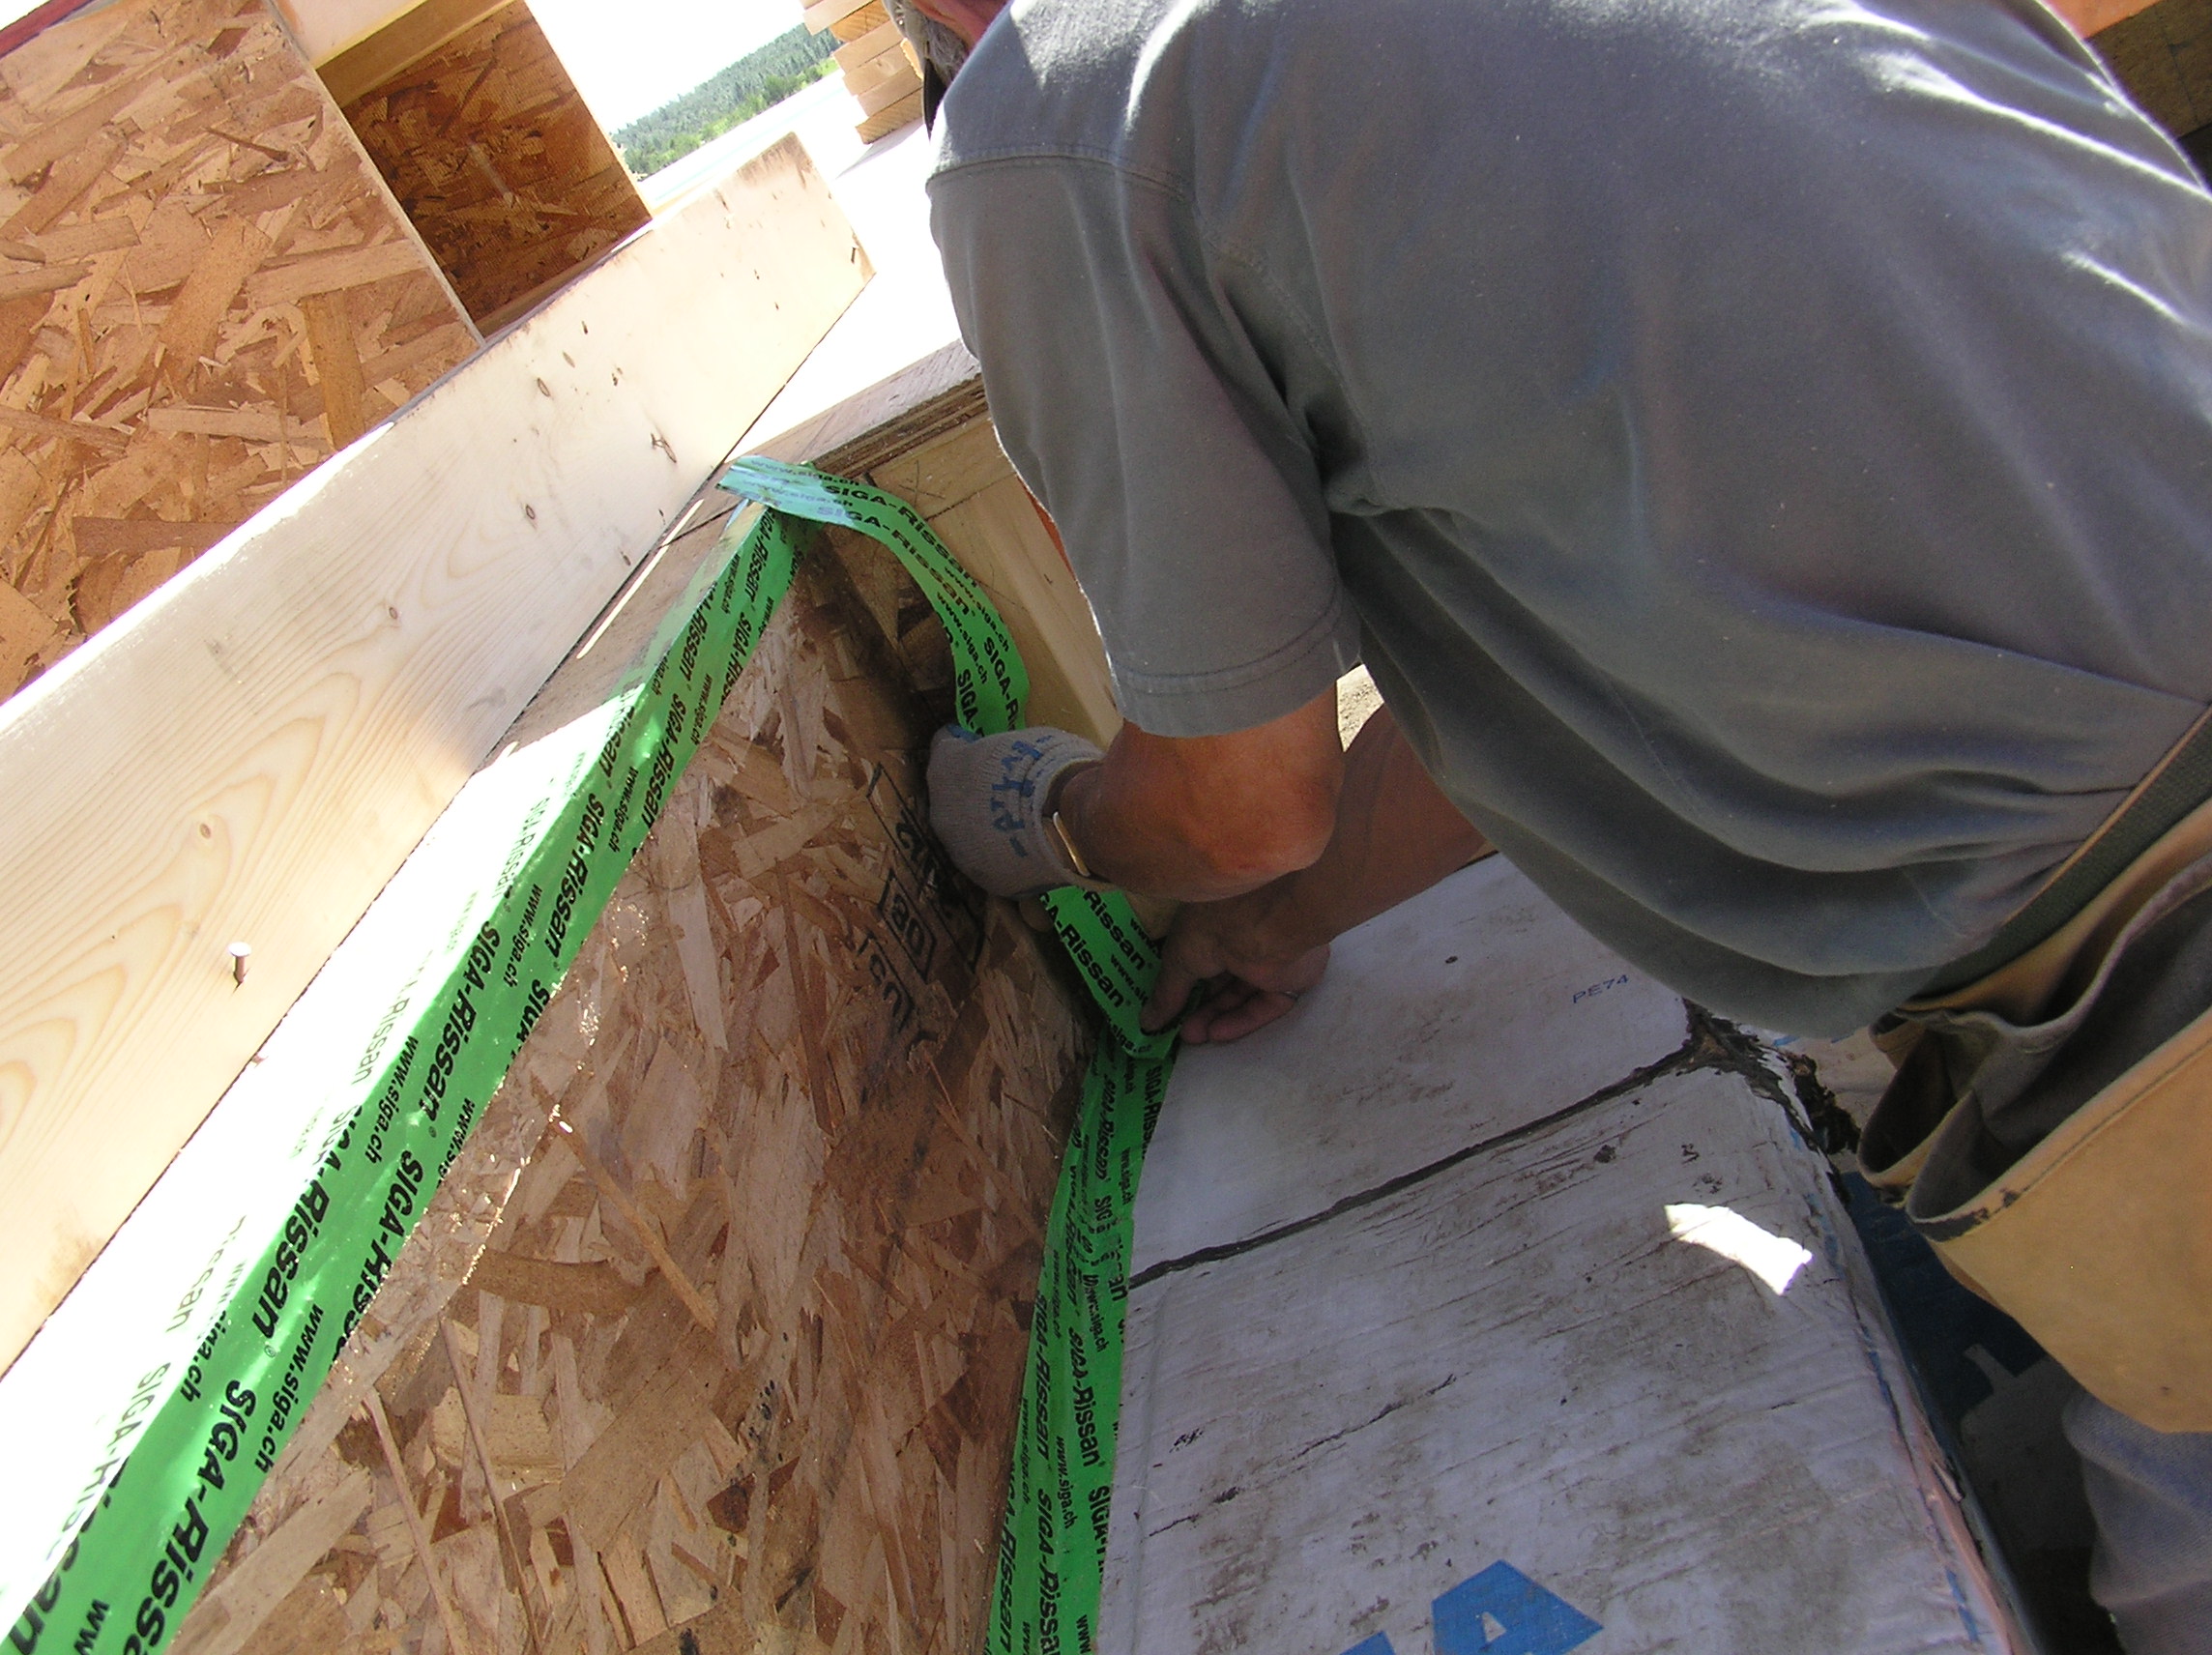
[524, 853]
[397, 45]
[250, 755]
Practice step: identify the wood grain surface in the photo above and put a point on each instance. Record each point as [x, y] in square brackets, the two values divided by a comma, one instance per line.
[204, 291]
[500, 166]
[250, 755]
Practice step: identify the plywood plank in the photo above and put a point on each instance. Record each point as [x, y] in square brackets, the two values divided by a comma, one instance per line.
[254, 752]
[498, 161]
[179, 189]
[850, 1154]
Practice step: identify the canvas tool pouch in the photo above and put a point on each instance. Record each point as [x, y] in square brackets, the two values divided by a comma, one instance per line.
[2050, 1131]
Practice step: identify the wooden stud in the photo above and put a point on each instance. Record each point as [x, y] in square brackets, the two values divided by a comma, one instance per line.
[279, 732]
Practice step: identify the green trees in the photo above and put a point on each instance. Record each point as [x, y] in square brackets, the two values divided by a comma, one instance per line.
[756, 81]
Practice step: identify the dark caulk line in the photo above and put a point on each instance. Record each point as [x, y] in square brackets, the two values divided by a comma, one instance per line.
[1706, 1047]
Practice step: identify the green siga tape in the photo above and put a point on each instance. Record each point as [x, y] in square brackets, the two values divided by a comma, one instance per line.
[304, 1257]
[1052, 1546]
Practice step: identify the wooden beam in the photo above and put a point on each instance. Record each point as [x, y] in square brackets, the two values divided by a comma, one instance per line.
[785, 1026]
[903, 113]
[822, 13]
[901, 84]
[248, 756]
[399, 45]
[883, 38]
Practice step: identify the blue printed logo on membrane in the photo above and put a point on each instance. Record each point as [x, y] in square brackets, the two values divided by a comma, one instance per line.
[1499, 1611]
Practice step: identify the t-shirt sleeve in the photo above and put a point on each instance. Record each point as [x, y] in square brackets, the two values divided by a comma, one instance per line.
[1131, 400]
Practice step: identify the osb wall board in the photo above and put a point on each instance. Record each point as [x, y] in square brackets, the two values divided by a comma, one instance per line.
[2162, 55]
[253, 752]
[499, 164]
[2087, 17]
[204, 291]
[758, 1208]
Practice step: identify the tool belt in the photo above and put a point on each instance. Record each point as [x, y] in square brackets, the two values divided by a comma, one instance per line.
[2049, 1130]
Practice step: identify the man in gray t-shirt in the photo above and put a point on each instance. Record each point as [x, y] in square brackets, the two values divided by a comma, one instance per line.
[1763, 451]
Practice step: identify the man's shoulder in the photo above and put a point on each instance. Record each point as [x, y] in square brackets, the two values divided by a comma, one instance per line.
[1086, 80]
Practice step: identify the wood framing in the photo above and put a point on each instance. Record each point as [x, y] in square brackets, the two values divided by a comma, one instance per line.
[204, 292]
[734, 1368]
[399, 45]
[499, 164]
[759, 1212]
[249, 756]
[879, 68]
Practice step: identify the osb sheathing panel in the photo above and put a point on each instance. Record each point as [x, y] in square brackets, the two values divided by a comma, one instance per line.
[499, 164]
[203, 291]
[740, 1359]
[2163, 56]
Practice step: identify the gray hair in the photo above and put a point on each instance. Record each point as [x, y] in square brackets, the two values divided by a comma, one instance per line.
[932, 42]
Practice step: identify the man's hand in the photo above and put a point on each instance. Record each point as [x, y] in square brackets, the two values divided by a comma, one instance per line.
[1250, 972]
[1200, 817]
[990, 798]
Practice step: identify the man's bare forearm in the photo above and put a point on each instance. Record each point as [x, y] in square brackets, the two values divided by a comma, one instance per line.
[1395, 836]
[1200, 818]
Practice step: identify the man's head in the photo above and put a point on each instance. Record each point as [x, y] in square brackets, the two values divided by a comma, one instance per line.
[941, 33]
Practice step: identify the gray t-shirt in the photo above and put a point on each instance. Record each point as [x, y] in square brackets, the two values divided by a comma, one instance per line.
[1763, 450]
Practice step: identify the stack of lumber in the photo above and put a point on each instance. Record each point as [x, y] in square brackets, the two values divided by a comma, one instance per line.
[204, 291]
[877, 66]
[495, 156]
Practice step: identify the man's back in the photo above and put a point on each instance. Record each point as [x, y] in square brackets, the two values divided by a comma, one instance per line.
[1765, 446]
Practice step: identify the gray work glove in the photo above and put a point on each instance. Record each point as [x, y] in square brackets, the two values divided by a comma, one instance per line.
[987, 799]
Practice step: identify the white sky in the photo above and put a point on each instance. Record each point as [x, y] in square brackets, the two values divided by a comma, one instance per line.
[628, 57]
